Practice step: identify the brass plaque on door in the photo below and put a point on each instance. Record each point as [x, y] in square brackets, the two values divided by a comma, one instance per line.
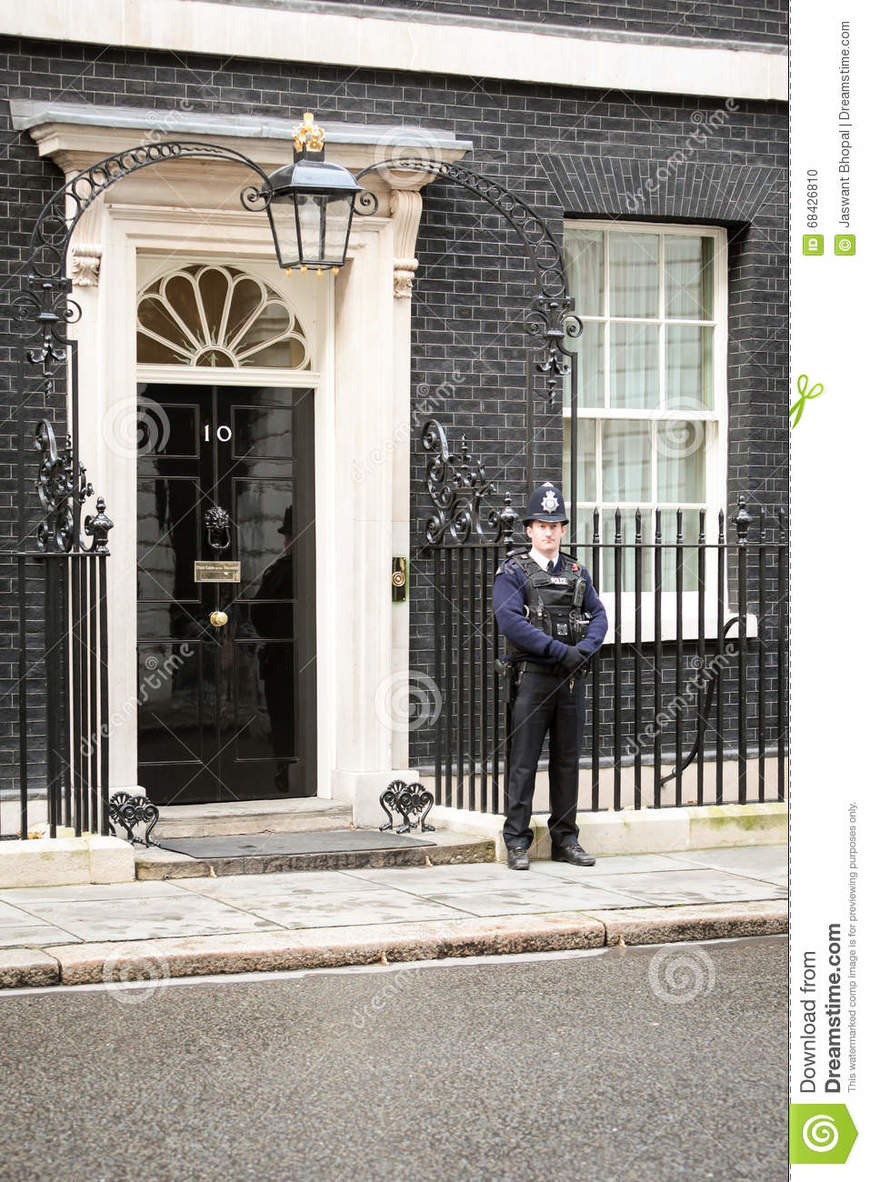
[217, 572]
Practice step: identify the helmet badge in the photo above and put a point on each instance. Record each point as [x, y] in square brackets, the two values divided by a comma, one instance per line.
[550, 503]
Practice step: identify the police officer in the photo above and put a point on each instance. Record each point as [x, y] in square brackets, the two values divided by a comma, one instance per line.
[554, 622]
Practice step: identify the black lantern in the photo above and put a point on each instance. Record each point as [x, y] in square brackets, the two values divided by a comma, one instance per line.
[310, 205]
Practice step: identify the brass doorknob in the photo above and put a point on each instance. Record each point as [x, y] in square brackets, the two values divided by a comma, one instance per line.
[218, 619]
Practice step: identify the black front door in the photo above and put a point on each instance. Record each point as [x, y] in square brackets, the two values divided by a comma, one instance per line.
[226, 691]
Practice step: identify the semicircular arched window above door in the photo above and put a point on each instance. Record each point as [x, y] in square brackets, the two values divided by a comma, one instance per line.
[217, 317]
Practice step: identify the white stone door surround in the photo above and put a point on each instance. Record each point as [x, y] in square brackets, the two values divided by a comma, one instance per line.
[358, 323]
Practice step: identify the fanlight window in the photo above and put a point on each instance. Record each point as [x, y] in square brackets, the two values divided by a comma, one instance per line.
[217, 316]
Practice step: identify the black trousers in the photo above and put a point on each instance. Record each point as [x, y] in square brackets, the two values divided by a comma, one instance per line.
[545, 702]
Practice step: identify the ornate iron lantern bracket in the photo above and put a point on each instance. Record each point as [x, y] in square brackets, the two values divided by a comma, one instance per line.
[552, 315]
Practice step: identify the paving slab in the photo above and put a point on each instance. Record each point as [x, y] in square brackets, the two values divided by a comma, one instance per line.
[610, 864]
[237, 888]
[532, 902]
[345, 908]
[22, 896]
[475, 876]
[769, 863]
[33, 935]
[144, 919]
[665, 888]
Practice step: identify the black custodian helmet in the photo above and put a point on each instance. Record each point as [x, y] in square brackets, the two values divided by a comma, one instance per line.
[546, 504]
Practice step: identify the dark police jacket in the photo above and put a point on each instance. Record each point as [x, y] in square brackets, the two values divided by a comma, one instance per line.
[510, 593]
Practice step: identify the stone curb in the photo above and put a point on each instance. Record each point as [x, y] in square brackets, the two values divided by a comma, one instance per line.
[314, 948]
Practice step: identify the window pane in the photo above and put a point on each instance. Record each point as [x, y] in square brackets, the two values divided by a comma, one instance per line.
[216, 316]
[628, 555]
[585, 460]
[689, 558]
[681, 454]
[689, 367]
[626, 449]
[589, 349]
[634, 366]
[584, 268]
[214, 285]
[688, 277]
[581, 521]
[634, 274]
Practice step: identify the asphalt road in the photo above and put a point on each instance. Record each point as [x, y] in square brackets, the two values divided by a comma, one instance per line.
[546, 1067]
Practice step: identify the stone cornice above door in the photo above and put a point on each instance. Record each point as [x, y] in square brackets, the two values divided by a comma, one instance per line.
[75, 136]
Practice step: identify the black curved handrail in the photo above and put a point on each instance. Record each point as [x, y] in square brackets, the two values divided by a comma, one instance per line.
[552, 315]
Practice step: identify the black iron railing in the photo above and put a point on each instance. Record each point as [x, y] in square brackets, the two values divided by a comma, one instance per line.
[63, 727]
[686, 702]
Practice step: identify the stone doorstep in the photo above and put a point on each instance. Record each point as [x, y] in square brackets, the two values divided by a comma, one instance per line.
[65, 861]
[159, 960]
[642, 831]
[307, 813]
[448, 849]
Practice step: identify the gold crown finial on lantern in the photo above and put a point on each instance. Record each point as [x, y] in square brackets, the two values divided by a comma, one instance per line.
[307, 135]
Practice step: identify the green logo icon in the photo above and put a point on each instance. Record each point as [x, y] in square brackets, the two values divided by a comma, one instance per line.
[814, 243]
[806, 392]
[844, 244]
[820, 1133]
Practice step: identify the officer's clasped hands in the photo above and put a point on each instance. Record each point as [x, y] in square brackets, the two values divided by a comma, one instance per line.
[573, 659]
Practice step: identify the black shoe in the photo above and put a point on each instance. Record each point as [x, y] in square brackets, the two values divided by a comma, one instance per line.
[517, 858]
[574, 854]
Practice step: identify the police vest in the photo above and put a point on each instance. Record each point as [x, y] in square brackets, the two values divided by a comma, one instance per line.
[553, 602]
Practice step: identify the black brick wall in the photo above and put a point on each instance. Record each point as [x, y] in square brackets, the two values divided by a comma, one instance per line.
[764, 21]
[556, 147]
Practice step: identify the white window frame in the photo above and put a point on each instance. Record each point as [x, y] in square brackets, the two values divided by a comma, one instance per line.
[716, 466]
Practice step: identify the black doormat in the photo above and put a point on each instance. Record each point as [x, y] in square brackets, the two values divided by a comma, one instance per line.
[250, 845]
